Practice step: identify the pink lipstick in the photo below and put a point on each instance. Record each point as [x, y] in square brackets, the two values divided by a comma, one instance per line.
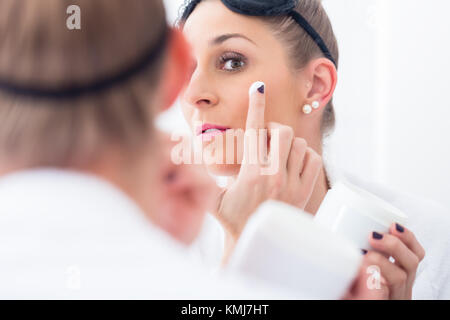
[207, 131]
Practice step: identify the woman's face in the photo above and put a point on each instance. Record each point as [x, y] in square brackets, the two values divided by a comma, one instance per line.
[230, 52]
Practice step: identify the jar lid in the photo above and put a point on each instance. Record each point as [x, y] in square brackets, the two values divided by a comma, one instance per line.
[369, 204]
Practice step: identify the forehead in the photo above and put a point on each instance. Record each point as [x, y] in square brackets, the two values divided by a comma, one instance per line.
[211, 19]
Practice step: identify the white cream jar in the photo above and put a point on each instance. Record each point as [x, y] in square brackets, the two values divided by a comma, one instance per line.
[355, 213]
[281, 245]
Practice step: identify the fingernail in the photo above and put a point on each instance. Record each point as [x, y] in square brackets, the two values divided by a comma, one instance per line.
[261, 89]
[363, 251]
[257, 86]
[377, 236]
[399, 228]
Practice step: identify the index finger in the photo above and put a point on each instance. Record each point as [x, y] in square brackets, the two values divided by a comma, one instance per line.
[257, 106]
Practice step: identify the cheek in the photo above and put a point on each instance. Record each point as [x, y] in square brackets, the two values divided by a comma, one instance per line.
[178, 215]
[188, 112]
[235, 101]
[281, 104]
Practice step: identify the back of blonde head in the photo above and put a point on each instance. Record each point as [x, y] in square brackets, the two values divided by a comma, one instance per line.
[37, 49]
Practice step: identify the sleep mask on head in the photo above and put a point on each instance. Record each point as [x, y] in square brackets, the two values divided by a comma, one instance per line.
[268, 8]
[76, 90]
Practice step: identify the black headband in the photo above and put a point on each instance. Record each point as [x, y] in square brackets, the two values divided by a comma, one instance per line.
[268, 8]
[96, 86]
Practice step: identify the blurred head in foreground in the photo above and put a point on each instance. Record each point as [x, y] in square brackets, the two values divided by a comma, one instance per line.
[85, 99]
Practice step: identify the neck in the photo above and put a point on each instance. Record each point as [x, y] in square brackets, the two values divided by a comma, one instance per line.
[311, 132]
[322, 184]
[320, 190]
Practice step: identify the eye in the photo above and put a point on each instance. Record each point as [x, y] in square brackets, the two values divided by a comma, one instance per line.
[232, 64]
[232, 61]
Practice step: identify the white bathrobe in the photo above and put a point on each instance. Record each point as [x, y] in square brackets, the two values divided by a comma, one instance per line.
[429, 221]
[65, 235]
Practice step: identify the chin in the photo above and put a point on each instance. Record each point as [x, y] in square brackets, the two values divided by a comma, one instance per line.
[187, 228]
[226, 170]
[179, 217]
[221, 167]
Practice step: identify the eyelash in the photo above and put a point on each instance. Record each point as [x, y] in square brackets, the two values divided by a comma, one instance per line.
[232, 56]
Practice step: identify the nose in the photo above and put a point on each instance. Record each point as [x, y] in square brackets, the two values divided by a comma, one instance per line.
[200, 92]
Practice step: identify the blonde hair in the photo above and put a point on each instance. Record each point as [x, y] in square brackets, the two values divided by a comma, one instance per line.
[38, 49]
[302, 48]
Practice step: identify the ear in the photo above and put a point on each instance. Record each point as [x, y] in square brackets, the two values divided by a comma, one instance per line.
[176, 69]
[322, 77]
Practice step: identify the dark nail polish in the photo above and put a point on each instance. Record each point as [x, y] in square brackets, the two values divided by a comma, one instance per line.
[399, 228]
[363, 251]
[261, 89]
[377, 236]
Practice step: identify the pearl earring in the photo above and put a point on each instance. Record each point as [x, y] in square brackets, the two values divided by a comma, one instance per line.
[316, 104]
[307, 109]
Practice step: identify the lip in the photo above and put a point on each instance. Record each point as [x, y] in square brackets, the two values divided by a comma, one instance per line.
[201, 130]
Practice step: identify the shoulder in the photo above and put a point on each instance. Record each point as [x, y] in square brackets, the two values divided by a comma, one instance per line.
[430, 222]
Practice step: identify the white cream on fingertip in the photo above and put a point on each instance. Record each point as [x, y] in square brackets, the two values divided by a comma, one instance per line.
[255, 86]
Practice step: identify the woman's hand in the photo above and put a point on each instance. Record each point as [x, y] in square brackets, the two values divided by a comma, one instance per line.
[397, 278]
[293, 181]
[362, 289]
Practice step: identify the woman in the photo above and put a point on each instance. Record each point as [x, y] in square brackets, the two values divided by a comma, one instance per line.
[291, 47]
[84, 198]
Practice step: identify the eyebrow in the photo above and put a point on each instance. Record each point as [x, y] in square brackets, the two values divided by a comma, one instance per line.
[221, 39]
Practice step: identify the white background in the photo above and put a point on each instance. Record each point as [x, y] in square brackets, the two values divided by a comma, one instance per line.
[391, 102]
